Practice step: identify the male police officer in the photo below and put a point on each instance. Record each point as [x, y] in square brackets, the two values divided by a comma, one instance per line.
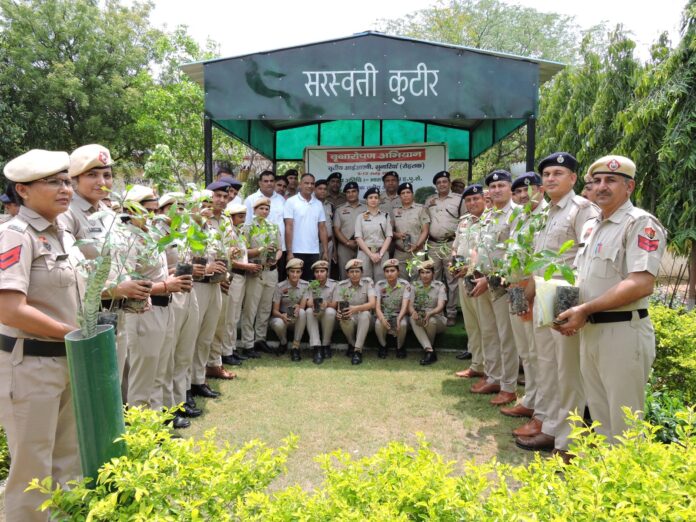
[617, 266]
[344, 226]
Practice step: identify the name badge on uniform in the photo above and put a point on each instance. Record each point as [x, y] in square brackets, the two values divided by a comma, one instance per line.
[95, 229]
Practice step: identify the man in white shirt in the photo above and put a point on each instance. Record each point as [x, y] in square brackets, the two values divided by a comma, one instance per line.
[305, 227]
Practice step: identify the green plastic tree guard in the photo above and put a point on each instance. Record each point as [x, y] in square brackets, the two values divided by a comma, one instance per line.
[96, 392]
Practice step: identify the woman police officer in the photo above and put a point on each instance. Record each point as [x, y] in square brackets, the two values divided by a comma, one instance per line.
[40, 291]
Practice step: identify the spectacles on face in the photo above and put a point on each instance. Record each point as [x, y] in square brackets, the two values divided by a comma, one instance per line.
[56, 183]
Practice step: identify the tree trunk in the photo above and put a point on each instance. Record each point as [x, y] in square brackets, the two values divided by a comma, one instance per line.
[691, 284]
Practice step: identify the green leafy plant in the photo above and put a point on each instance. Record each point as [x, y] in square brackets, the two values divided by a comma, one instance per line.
[661, 409]
[315, 288]
[4, 455]
[416, 259]
[166, 478]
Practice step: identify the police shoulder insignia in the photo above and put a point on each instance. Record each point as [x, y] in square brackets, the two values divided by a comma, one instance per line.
[10, 257]
[649, 245]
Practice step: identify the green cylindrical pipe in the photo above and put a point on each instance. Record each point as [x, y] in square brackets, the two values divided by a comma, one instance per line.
[96, 393]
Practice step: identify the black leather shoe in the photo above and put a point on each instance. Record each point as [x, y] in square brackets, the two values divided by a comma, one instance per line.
[262, 346]
[357, 358]
[190, 401]
[179, 423]
[401, 353]
[382, 352]
[328, 352]
[239, 356]
[282, 349]
[230, 360]
[429, 358]
[203, 390]
[318, 355]
[188, 411]
[350, 351]
[295, 354]
[462, 356]
[250, 353]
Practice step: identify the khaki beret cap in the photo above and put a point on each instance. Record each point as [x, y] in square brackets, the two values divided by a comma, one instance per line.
[36, 164]
[428, 264]
[295, 262]
[391, 262]
[320, 264]
[169, 198]
[613, 165]
[354, 263]
[139, 193]
[262, 201]
[235, 208]
[89, 157]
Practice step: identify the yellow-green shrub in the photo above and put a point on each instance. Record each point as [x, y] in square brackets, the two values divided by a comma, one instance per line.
[4, 455]
[675, 361]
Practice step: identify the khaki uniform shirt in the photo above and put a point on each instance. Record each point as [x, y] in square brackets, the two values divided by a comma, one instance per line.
[390, 298]
[329, 212]
[388, 203]
[326, 292]
[258, 234]
[238, 240]
[355, 295]
[565, 221]
[467, 238]
[495, 229]
[374, 229]
[38, 259]
[630, 240]
[336, 200]
[79, 222]
[444, 215]
[288, 296]
[345, 218]
[410, 221]
[427, 298]
[5, 217]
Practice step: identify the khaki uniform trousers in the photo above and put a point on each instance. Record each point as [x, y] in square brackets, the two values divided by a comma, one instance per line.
[209, 299]
[440, 254]
[186, 318]
[163, 394]
[471, 325]
[356, 328]
[426, 334]
[345, 254]
[37, 413]
[146, 333]
[509, 359]
[258, 303]
[523, 332]
[559, 386]
[298, 327]
[381, 332]
[615, 360]
[225, 340]
[490, 340]
[324, 320]
[370, 269]
[121, 347]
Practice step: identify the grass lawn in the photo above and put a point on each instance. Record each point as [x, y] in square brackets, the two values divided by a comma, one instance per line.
[357, 409]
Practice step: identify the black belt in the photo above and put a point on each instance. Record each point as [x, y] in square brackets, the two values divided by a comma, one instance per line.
[238, 271]
[161, 300]
[34, 347]
[106, 304]
[615, 317]
[443, 240]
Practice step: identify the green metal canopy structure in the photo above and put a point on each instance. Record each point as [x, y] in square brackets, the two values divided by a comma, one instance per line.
[371, 89]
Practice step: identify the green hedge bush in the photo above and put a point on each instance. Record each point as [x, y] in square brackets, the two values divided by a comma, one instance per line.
[4, 455]
[675, 362]
[176, 479]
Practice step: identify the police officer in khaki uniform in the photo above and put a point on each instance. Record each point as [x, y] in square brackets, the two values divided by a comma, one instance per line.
[445, 210]
[289, 302]
[9, 206]
[358, 293]
[426, 305]
[464, 246]
[335, 196]
[344, 226]
[321, 313]
[530, 196]
[588, 189]
[373, 233]
[391, 310]
[320, 192]
[502, 360]
[411, 225]
[264, 248]
[40, 293]
[389, 197]
[617, 265]
[559, 388]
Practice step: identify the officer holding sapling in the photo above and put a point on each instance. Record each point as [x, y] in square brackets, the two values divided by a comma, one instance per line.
[426, 306]
[289, 302]
[617, 265]
[321, 311]
[560, 391]
[392, 295]
[411, 225]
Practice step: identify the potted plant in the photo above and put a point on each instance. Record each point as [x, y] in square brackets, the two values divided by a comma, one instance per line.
[421, 301]
[315, 291]
[346, 296]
